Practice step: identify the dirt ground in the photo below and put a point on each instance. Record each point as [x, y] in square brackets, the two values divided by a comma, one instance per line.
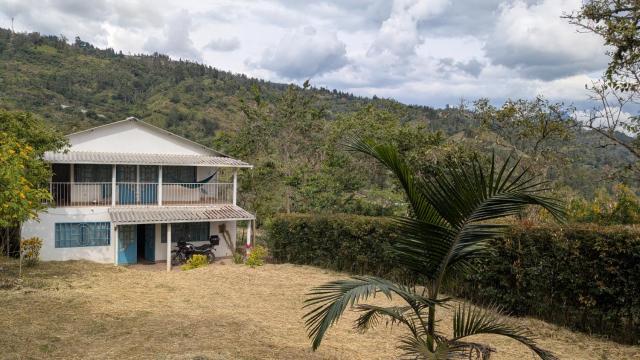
[225, 311]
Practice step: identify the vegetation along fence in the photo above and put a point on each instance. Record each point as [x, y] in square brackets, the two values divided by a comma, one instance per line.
[585, 277]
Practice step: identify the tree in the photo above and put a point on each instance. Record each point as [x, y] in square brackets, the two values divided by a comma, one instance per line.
[618, 23]
[449, 227]
[533, 127]
[609, 119]
[23, 174]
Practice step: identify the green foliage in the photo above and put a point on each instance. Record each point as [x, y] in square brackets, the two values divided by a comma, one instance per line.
[449, 228]
[582, 276]
[341, 242]
[30, 250]
[621, 208]
[238, 258]
[256, 257]
[616, 21]
[196, 261]
[21, 177]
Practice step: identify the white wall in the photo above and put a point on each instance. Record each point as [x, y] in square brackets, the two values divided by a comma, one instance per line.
[45, 229]
[132, 137]
[221, 250]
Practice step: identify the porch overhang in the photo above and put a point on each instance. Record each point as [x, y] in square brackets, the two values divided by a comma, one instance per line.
[91, 157]
[176, 214]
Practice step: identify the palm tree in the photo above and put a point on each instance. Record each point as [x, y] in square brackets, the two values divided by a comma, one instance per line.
[449, 227]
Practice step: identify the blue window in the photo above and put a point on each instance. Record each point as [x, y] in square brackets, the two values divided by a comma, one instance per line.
[194, 231]
[82, 234]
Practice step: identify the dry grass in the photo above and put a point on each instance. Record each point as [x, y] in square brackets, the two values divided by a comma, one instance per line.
[84, 310]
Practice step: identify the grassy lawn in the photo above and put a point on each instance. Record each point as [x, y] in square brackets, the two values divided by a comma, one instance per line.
[85, 310]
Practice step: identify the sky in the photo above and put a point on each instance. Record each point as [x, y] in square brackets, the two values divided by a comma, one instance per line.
[427, 52]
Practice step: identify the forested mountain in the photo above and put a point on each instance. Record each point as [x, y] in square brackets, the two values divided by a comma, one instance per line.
[77, 86]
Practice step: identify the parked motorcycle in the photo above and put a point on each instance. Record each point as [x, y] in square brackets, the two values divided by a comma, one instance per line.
[186, 250]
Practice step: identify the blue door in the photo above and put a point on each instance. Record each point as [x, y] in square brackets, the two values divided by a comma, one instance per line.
[127, 244]
[149, 242]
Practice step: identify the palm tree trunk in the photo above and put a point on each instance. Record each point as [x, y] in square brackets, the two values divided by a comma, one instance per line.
[431, 331]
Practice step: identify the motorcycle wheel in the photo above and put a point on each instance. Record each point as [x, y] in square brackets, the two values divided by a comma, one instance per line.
[211, 258]
[177, 258]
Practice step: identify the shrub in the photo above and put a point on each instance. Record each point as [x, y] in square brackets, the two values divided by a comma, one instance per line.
[30, 250]
[256, 256]
[580, 276]
[195, 262]
[238, 258]
[356, 244]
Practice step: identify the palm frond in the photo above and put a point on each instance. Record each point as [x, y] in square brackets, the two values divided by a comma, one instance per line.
[418, 348]
[389, 156]
[328, 302]
[372, 316]
[469, 320]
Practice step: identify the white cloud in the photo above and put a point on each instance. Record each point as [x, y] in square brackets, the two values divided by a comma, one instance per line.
[399, 34]
[223, 44]
[536, 41]
[176, 40]
[304, 53]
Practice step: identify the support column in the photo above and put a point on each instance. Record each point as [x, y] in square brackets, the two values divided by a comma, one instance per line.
[169, 247]
[113, 185]
[72, 179]
[138, 197]
[116, 244]
[160, 185]
[235, 186]
[249, 228]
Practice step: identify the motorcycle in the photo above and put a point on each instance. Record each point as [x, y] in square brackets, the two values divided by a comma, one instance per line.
[186, 250]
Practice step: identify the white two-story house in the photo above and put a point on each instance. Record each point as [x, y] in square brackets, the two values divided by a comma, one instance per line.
[126, 192]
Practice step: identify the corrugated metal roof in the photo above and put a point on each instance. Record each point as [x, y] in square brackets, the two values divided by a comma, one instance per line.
[87, 157]
[172, 214]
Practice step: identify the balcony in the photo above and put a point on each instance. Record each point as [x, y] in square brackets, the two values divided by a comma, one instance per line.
[70, 194]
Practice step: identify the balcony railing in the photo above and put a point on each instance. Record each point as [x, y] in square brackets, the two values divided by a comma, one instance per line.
[81, 194]
[131, 193]
[194, 194]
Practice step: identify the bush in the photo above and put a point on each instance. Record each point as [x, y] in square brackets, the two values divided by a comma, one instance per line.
[581, 276]
[238, 258]
[256, 256]
[30, 250]
[356, 244]
[195, 262]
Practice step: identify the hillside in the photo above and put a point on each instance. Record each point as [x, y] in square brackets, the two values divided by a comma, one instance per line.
[77, 86]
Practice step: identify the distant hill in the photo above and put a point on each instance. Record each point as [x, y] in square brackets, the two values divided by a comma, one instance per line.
[77, 86]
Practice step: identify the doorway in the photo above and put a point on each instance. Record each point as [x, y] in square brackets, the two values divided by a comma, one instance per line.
[146, 241]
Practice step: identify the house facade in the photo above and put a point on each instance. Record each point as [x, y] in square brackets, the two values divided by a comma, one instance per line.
[126, 192]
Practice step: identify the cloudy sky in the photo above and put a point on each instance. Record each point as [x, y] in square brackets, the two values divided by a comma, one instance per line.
[429, 52]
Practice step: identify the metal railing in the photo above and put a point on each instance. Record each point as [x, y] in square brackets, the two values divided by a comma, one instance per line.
[81, 194]
[132, 193]
[195, 193]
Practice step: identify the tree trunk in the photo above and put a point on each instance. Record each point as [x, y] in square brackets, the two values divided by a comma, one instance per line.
[431, 327]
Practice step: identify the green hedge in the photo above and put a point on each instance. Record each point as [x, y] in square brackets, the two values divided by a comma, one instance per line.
[356, 244]
[586, 277]
[583, 277]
